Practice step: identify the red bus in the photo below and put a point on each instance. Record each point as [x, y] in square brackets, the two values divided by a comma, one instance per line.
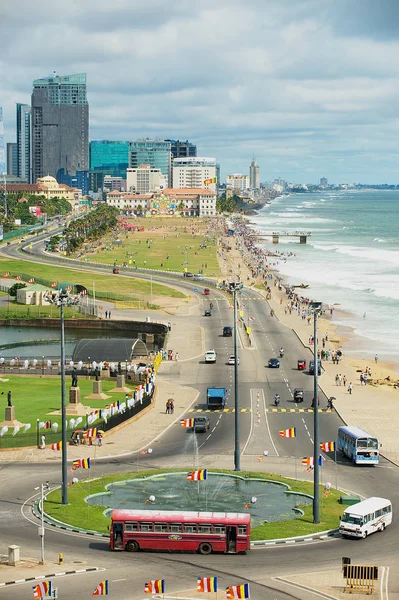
[202, 532]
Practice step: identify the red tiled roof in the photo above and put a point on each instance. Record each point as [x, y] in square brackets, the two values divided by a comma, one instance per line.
[188, 192]
[26, 187]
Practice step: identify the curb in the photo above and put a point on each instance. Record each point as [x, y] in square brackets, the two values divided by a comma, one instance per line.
[15, 581]
[323, 535]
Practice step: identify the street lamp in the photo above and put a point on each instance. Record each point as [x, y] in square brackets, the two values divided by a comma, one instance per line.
[43, 486]
[317, 309]
[234, 287]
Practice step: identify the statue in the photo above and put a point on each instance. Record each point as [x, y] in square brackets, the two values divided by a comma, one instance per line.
[9, 398]
[74, 377]
[97, 373]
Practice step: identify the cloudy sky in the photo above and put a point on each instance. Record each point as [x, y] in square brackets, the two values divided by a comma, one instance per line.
[309, 87]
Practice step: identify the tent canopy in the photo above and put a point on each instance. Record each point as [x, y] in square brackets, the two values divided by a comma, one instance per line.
[111, 349]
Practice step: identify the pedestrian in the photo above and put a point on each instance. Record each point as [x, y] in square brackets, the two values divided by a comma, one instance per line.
[177, 356]
[350, 388]
[340, 379]
[106, 314]
[337, 379]
[99, 439]
[376, 358]
[167, 406]
[172, 407]
[361, 378]
[344, 380]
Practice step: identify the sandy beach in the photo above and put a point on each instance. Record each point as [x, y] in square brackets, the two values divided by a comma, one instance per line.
[382, 386]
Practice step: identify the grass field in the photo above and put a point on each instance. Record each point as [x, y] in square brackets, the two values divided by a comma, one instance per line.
[12, 310]
[79, 514]
[166, 244]
[133, 289]
[36, 397]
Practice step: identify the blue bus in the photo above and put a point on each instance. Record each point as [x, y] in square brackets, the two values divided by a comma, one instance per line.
[361, 447]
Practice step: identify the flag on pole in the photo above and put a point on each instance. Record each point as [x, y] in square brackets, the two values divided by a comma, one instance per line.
[207, 584]
[237, 591]
[309, 461]
[90, 433]
[54, 284]
[288, 433]
[101, 589]
[31, 280]
[156, 586]
[327, 446]
[199, 475]
[47, 425]
[210, 180]
[81, 462]
[187, 423]
[42, 589]
[56, 446]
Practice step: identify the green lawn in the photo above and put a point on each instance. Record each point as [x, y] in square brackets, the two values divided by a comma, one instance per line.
[173, 249]
[79, 514]
[12, 310]
[105, 285]
[36, 397]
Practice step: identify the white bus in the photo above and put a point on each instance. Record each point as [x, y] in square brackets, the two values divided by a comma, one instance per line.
[363, 518]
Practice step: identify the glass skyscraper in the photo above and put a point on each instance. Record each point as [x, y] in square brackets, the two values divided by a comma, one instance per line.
[2, 150]
[60, 125]
[156, 153]
[109, 157]
[24, 163]
[182, 149]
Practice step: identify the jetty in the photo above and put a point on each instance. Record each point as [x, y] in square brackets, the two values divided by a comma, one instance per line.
[276, 235]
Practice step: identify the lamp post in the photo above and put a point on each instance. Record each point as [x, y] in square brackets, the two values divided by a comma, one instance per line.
[61, 302]
[235, 287]
[43, 486]
[317, 307]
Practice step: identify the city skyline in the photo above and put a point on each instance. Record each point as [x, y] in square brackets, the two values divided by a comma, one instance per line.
[308, 88]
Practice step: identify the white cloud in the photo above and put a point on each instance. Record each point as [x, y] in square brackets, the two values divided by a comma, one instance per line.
[299, 83]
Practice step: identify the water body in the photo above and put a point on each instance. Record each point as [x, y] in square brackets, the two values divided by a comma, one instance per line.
[351, 258]
[217, 493]
[38, 342]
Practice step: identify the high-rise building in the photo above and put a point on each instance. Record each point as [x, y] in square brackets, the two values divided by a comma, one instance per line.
[323, 182]
[181, 149]
[237, 182]
[12, 159]
[193, 172]
[24, 157]
[109, 157]
[254, 175]
[60, 125]
[2, 152]
[145, 180]
[156, 153]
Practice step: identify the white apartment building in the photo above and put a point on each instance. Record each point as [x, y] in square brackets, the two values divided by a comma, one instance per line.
[193, 172]
[145, 180]
[238, 182]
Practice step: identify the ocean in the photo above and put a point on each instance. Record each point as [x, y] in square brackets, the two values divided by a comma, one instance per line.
[350, 261]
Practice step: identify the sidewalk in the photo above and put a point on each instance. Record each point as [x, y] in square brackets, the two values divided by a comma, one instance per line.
[187, 338]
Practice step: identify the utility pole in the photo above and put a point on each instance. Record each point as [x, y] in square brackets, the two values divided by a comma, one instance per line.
[61, 301]
[41, 529]
[235, 287]
[317, 307]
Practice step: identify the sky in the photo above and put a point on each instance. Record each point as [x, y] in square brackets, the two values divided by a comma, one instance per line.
[308, 87]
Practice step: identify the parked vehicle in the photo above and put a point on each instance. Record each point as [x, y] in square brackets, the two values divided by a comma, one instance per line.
[216, 397]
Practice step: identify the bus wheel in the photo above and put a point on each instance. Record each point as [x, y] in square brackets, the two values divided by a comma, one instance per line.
[364, 535]
[132, 546]
[382, 527]
[205, 548]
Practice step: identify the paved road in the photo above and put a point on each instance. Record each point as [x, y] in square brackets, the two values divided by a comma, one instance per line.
[17, 482]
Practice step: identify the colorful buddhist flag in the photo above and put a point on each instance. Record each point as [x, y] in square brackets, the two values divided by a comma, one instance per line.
[187, 423]
[327, 446]
[56, 446]
[42, 589]
[90, 433]
[18, 278]
[84, 463]
[207, 584]
[237, 591]
[309, 462]
[156, 586]
[101, 589]
[288, 433]
[47, 425]
[54, 284]
[31, 280]
[199, 475]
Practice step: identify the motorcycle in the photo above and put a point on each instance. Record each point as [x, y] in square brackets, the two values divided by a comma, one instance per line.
[276, 400]
[281, 353]
[211, 306]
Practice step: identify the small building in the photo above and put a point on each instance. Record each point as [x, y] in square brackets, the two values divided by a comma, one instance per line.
[34, 294]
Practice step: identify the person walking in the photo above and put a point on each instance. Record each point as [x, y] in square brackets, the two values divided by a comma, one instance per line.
[376, 358]
[106, 314]
[337, 379]
[350, 388]
[167, 407]
[340, 379]
[344, 380]
[176, 356]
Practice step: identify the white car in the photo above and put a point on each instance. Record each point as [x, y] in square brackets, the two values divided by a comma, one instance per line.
[210, 356]
[232, 360]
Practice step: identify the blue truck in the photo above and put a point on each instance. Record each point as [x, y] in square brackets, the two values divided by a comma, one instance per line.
[216, 397]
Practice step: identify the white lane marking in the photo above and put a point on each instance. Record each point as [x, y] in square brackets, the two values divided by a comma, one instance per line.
[115, 580]
[384, 595]
[251, 428]
[213, 429]
[267, 424]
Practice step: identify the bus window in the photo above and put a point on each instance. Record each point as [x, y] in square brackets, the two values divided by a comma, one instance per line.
[160, 527]
[190, 528]
[145, 526]
[176, 527]
[219, 529]
[204, 528]
[131, 526]
[242, 530]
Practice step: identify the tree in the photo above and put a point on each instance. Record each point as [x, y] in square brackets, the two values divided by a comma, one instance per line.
[17, 286]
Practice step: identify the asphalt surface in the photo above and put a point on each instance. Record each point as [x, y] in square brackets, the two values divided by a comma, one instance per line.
[126, 572]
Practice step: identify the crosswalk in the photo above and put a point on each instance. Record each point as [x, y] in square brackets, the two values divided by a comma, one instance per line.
[249, 410]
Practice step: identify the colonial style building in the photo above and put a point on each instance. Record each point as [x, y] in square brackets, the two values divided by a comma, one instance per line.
[199, 202]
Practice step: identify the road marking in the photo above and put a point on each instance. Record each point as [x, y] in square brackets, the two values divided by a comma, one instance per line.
[267, 424]
[250, 429]
[115, 580]
[384, 583]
